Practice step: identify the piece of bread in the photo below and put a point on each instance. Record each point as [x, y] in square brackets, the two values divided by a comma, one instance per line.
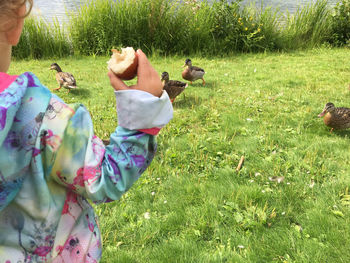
[124, 63]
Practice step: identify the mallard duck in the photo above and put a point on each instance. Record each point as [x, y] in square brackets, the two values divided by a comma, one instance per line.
[192, 73]
[336, 118]
[172, 87]
[64, 79]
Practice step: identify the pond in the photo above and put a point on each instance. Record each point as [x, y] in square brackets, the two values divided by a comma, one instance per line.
[57, 8]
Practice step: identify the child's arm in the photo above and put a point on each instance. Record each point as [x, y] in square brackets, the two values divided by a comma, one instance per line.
[83, 164]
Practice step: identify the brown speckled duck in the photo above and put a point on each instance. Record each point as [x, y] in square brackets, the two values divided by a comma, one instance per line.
[192, 73]
[336, 118]
[172, 87]
[64, 79]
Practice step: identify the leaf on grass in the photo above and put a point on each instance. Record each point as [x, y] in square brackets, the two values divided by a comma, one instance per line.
[119, 244]
[337, 213]
[345, 200]
[312, 184]
[273, 214]
[197, 232]
[278, 179]
[298, 228]
[147, 215]
[239, 217]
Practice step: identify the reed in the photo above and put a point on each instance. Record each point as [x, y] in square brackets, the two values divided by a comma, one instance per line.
[177, 27]
[42, 40]
[162, 25]
[310, 26]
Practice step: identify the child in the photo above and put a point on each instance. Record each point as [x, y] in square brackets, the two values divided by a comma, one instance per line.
[51, 162]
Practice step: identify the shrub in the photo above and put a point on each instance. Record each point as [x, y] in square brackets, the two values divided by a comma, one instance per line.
[341, 23]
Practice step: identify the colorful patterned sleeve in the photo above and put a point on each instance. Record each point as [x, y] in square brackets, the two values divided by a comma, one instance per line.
[79, 160]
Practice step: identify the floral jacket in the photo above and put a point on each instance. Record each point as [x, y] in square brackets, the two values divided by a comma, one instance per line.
[51, 163]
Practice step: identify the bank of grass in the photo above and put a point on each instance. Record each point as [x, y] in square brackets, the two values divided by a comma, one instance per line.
[179, 27]
[260, 106]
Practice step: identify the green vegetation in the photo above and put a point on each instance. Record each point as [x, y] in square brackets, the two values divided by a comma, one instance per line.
[40, 40]
[191, 205]
[341, 23]
[308, 27]
[171, 27]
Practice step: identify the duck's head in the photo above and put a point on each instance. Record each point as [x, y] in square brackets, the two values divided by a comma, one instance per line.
[329, 107]
[55, 66]
[188, 62]
[165, 76]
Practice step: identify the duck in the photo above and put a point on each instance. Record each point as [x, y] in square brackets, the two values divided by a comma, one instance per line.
[172, 87]
[192, 73]
[64, 79]
[335, 117]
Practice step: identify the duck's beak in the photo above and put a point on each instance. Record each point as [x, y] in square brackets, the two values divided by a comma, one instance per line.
[184, 65]
[322, 113]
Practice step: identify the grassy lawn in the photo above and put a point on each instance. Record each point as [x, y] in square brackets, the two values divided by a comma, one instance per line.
[192, 205]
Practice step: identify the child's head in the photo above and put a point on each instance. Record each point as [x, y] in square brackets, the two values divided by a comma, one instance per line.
[10, 10]
[12, 14]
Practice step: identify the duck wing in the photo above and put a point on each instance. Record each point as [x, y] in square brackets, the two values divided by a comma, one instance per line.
[176, 83]
[197, 69]
[343, 113]
[68, 78]
[174, 90]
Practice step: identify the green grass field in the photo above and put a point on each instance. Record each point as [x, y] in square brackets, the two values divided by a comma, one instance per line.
[191, 205]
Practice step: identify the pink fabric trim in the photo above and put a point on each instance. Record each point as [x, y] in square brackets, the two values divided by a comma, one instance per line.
[152, 131]
[6, 80]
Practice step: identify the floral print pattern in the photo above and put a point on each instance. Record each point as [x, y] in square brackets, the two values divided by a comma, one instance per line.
[50, 164]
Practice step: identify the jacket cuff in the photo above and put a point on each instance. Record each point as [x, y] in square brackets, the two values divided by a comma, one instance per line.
[140, 110]
[152, 131]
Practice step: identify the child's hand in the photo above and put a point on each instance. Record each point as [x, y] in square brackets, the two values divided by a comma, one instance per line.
[147, 78]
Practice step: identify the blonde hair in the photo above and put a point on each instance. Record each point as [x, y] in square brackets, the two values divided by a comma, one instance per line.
[8, 10]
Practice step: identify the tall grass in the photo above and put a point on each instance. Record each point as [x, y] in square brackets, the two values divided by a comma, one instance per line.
[177, 27]
[40, 39]
[308, 27]
[164, 25]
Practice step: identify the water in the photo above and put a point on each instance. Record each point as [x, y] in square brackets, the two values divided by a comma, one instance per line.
[283, 5]
[57, 8]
